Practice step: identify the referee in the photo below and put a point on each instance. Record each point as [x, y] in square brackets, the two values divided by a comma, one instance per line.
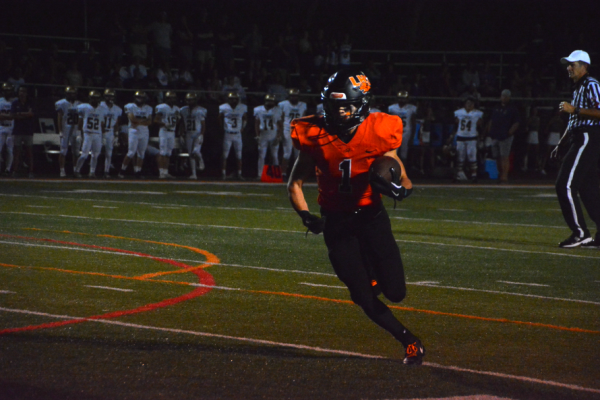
[578, 174]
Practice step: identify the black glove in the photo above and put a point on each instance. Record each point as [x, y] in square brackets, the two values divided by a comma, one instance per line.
[314, 223]
[393, 189]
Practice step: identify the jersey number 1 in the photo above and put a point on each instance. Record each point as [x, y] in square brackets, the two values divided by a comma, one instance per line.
[346, 168]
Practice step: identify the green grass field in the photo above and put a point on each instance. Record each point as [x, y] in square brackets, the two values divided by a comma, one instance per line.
[152, 290]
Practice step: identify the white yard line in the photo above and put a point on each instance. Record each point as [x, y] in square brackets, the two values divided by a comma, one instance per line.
[497, 249]
[109, 288]
[95, 206]
[524, 284]
[6, 292]
[422, 283]
[319, 285]
[314, 349]
[454, 221]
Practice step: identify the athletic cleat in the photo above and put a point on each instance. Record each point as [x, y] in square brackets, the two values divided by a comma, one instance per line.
[192, 177]
[575, 241]
[414, 353]
[106, 175]
[594, 244]
[63, 174]
[77, 174]
[121, 176]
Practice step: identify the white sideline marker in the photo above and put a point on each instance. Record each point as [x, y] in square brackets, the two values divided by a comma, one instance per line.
[319, 285]
[525, 284]
[32, 206]
[109, 288]
[315, 349]
[105, 207]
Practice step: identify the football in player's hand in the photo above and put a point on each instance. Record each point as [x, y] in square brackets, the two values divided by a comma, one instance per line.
[381, 166]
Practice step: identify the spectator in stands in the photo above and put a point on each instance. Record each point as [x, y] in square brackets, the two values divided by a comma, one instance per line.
[305, 53]
[319, 52]
[470, 77]
[554, 130]
[186, 78]
[471, 92]
[233, 84]
[161, 32]
[73, 76]
[116, 37]
[418, 86]
[138, 70]
[388, 79]
[487, 79]
[224, 40]
[138, 39]
[332, 59]
[16, 78]
[23, 129]
[345, 49]
[277, 88]
[252, 42]
[6, 61]
[280, 58]
[290, 41]
[373, 72]
[163, 75]
[502, 127]
[185, 42]
[96, 77]
[533, 132]
[204, 41]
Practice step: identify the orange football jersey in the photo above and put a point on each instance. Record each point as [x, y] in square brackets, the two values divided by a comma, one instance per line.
[343, 168]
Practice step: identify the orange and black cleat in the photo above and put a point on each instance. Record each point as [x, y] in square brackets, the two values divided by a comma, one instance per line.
[414, 353]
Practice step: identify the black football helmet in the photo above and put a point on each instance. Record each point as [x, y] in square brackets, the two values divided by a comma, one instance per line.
[345, 88]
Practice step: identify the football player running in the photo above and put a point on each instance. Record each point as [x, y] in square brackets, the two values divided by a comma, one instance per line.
[292, 108]
[468, 120]
[166, 116]
[268, 126]
[91, 122]
[6, 124]
[140, 118]
[67, 116]
[340, 146]
[193, 128]
[232, 120]
[112, 126]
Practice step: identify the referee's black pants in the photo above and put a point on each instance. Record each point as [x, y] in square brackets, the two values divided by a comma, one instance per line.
[361, 246]
[578, 175]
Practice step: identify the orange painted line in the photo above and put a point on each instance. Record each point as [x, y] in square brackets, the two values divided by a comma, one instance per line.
[210, 258]
[474, 317]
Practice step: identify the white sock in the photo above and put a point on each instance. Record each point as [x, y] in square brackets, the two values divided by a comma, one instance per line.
[224, 172]
[123, 167]
[193, 165]
[137, 169]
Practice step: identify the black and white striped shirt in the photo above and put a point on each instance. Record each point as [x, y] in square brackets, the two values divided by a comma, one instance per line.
[585, 95]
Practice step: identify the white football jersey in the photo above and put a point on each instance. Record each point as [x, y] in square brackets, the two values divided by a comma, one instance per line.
[69, 112]
[233, 116]
[6, 125]
[193, 119]
[467, 122]
[290, 112]
[112, 116]
[405, 113]
[93, 117]
[144, 111]
[170, 117]
[268, 118]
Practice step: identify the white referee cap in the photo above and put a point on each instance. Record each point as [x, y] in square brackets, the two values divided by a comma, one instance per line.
[577, 55]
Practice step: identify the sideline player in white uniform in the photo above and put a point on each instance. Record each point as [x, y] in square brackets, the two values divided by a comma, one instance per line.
[140, 117]
[112, 126]
[468, 120]
[6, 124]
[68, 129]
[268, 125]
[166, 116]
[232, 119]
[91, 122]
[193, 128]
[407, 113]
[292, 108]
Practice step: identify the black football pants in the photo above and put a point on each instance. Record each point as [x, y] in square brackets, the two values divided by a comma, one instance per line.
[578, 175]
[361, 247]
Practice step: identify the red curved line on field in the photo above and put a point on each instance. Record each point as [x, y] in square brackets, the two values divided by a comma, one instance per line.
[204, 278]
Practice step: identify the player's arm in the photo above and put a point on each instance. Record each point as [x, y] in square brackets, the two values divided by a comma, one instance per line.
[222, 121]
[257, 127]
[59, 118]
[451, 138]
[303, 167]
[80, 121]
[403, 178]
[244, 121]
[158, 120]
[134, 120]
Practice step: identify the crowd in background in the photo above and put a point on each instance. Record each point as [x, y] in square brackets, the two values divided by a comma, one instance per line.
[208, 54]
